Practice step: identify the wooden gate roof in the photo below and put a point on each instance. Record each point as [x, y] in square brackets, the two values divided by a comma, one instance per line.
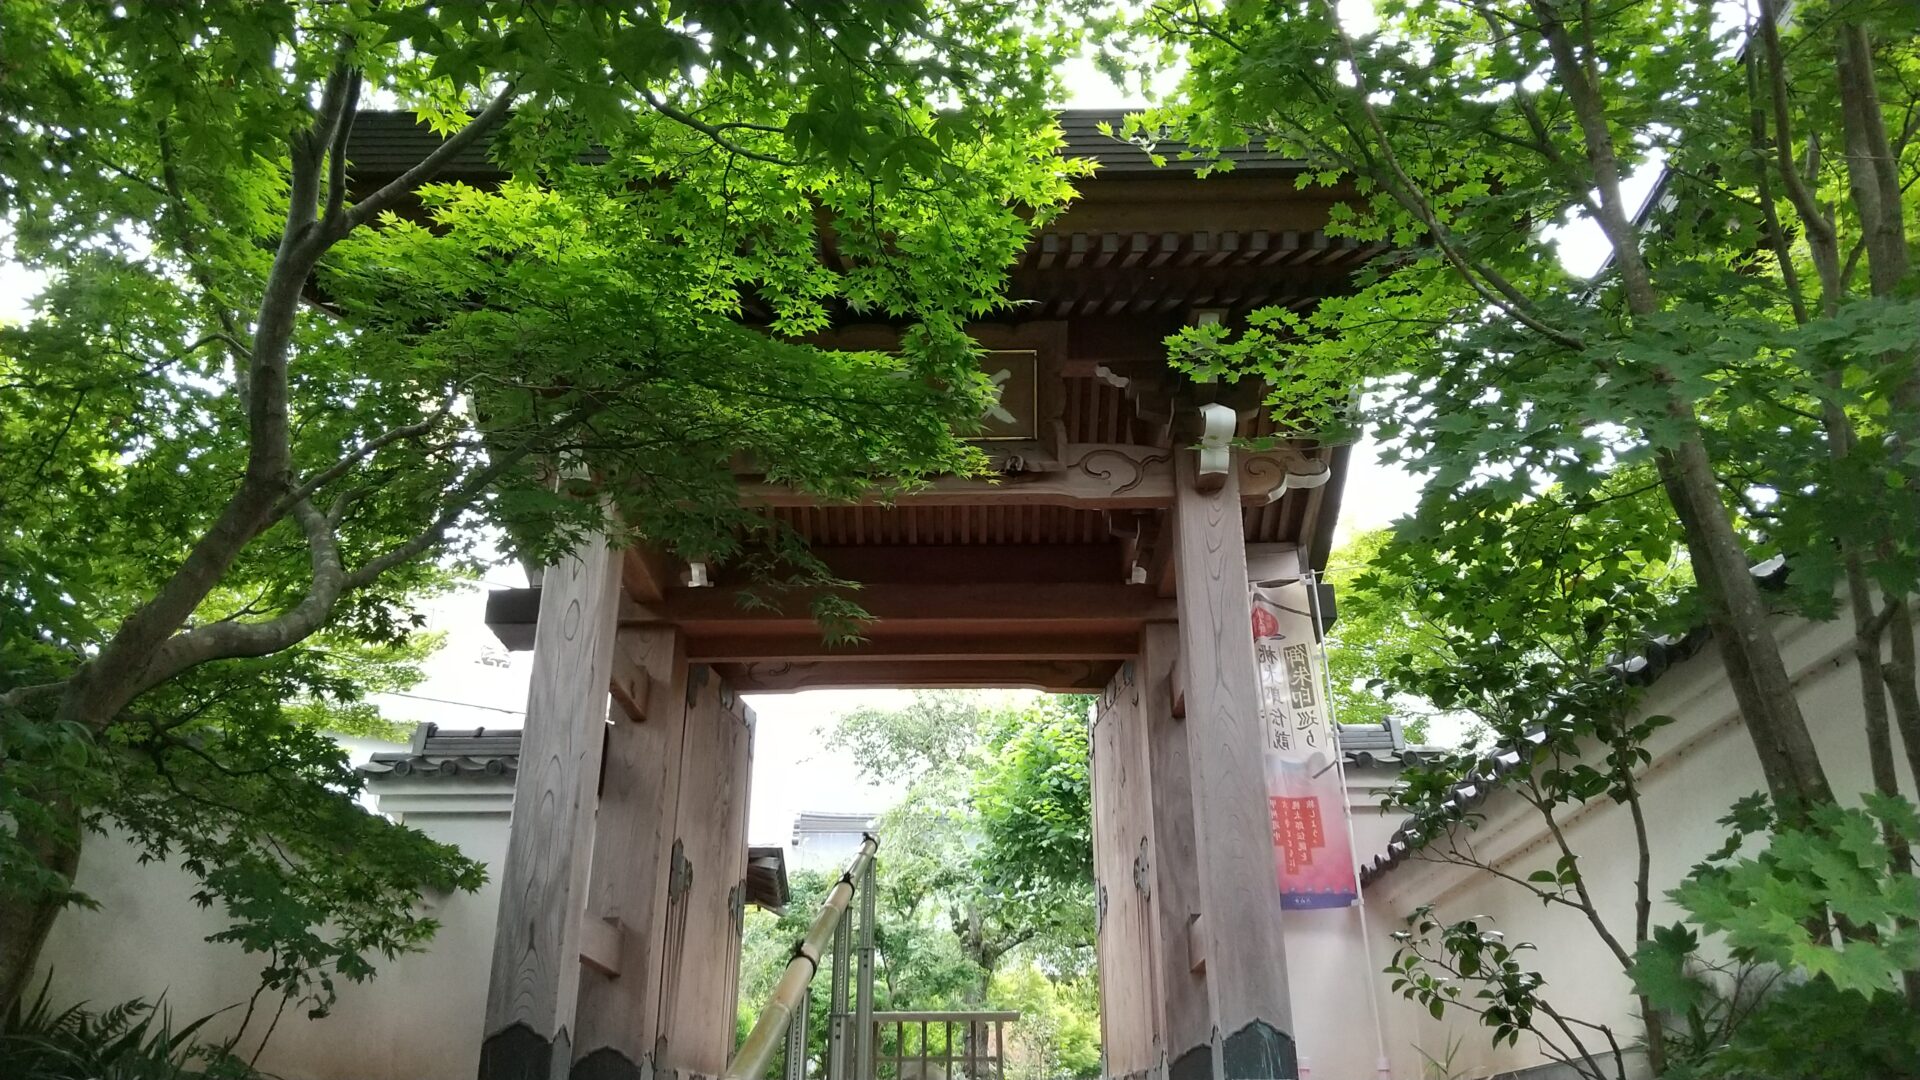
[1045, 577]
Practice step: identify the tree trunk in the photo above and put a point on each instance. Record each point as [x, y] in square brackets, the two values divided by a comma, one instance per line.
[1742, 632]
[26, 920]
[1740, 622]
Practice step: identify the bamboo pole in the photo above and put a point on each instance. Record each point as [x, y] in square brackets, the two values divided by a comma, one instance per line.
[751, 1060]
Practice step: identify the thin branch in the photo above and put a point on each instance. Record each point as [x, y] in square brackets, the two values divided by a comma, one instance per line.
[715, 132]
[312, 485]
[337, 153]
[1586, 904]
[1491, 286]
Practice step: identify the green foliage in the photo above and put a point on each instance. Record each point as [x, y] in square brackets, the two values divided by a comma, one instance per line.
[1034, 798]
[1774, 906]
[133, 1040]
[263, 402]
[263, 812]
[984, 876]
[1058, 1033]
[1368, 632]
[994, 833]
[1816, 1031]
[1434, 964]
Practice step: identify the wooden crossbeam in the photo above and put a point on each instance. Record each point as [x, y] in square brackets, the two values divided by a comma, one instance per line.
[882, 646]
[1053, 676]
[959, 564]
[1056, 609]
[1100, 476]
[1008, 606]
[647, 573]
[1095, 475]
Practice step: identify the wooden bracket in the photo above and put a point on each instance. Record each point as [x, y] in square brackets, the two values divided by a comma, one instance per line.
[600, 941]
[631, 685]
[1196, 946]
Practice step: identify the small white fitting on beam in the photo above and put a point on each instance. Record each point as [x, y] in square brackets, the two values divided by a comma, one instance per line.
[1217, 423]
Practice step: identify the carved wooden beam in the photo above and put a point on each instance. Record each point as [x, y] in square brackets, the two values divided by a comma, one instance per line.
[1102, 476]
[1113, 476]
[1265, 475]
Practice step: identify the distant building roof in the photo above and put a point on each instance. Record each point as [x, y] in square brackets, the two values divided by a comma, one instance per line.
[831, 823]
[437, 751]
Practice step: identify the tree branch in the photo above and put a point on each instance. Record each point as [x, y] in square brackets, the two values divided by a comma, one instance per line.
[377, 203]
[717, 133]
[1491, 286]
[312, 485]
[337, 154]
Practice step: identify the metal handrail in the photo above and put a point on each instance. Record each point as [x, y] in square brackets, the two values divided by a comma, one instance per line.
[981, 1053]
[756, 1052]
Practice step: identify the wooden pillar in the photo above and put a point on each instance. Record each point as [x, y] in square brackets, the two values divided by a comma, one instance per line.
[707, 893]
[1237, 935]
[1180, 987]
[536, 950]
[1122, 842]
[633, 837]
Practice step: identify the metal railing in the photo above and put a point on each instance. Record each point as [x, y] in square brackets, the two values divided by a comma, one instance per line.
[978, 1051]
[854, 1031]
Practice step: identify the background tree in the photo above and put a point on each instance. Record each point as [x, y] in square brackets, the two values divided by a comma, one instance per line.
[993, 835]
[258, 401]
[975, 907]
[1467, 134]
[1384, 622]
[1518, 611]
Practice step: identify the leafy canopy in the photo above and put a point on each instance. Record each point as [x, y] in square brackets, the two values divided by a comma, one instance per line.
[266, 396]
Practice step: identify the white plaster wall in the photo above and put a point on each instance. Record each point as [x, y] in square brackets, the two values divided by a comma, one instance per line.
[418, 1020]
[1702, 763]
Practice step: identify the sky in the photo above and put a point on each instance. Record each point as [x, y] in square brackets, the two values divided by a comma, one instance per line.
[473, 682]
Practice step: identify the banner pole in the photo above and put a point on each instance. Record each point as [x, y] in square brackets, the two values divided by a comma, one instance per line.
[1382, 1068]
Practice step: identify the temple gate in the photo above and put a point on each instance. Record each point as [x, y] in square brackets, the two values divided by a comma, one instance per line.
[1112, 556]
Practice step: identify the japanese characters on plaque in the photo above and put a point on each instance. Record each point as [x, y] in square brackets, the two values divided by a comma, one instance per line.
[1313, 855]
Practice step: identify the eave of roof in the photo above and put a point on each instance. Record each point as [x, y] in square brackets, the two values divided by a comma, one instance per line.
[449, 752]
[388, 142]
[1641, 668]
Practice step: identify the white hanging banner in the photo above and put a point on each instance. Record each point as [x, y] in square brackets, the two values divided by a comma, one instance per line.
[1312, 848]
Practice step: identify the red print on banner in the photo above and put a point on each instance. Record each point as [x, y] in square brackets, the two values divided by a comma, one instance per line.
[1313, 857]
[1297, 832]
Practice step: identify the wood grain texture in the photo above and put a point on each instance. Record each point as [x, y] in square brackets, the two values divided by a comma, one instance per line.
[1182, 993]
[1238, 897]
[696, 1024]
[930, 605]
[1129, 1008]
[633, 846]
[536, 952]
[740, 772]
